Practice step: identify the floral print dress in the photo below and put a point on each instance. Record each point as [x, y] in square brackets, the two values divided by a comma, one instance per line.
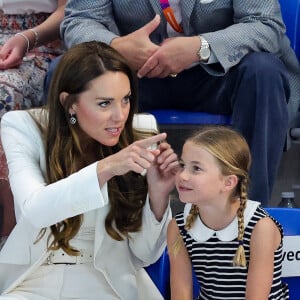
[22, 87]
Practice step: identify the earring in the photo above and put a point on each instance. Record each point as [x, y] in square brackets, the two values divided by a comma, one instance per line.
[73, 119]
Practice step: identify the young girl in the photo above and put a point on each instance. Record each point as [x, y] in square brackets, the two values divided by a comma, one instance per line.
[233, 245]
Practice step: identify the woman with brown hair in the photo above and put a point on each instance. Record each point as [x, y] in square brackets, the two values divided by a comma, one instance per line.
[88, 217]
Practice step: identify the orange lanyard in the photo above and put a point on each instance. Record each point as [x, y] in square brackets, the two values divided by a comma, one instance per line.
[169, 15]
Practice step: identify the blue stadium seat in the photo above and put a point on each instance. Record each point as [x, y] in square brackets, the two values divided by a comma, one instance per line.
[160, 274]
[172, 117]
[289, 218]
[291, 16]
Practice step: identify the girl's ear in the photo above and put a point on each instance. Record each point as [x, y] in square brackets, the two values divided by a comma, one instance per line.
[231, 182]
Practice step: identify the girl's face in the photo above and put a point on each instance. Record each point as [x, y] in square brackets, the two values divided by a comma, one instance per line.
[199, 179]
[102, 110]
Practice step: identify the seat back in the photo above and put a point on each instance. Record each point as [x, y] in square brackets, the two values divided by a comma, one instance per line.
[289, 218]
[290, 10]
[179, 117]
[160, 274]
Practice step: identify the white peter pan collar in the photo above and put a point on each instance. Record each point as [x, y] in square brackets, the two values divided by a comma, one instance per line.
[202, 233]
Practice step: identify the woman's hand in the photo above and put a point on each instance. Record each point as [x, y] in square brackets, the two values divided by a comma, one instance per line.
[161, 178]
[12, 52]
[160, 175]
[136, 157]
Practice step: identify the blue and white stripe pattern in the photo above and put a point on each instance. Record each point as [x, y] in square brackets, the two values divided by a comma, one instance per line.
[212, 261]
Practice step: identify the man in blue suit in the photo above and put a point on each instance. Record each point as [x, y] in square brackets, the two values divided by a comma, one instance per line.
[217, 56]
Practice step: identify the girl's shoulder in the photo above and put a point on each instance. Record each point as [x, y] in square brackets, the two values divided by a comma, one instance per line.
[266, 219]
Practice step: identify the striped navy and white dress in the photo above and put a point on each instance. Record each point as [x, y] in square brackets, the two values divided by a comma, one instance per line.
[212, 253]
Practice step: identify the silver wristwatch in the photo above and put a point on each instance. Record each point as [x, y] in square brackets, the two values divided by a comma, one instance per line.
[204, 51]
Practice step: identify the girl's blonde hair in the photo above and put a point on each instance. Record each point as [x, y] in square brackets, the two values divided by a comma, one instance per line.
[233, 156]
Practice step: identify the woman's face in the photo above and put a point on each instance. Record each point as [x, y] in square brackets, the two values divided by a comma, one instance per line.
[102, 110]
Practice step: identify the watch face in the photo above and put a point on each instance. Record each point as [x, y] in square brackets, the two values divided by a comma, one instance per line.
[205, 53]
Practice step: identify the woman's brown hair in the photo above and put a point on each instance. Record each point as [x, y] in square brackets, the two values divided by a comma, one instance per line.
[64, 142]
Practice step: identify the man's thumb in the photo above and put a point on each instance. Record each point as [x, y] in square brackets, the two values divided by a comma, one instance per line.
[152, 25]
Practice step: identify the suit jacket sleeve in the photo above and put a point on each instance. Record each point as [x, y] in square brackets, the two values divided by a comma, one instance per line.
[257, 26]
[87, 21]
[42, 204]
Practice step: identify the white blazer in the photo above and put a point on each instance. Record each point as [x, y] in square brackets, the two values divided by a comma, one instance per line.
[38, 205]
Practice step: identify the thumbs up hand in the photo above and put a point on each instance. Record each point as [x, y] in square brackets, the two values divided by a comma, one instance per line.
[137, 47]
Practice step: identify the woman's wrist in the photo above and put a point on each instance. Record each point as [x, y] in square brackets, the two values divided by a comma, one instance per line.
[24, 36]
[159, 205]
[31, 37]
[36, 37]
[103, 172]
[157, 195]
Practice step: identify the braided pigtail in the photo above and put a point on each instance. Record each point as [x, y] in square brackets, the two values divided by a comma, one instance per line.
[191, 217]
[189, 223]
[240, 257]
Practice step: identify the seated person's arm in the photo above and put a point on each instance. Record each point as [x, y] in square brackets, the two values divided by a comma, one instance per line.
[15, 48]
